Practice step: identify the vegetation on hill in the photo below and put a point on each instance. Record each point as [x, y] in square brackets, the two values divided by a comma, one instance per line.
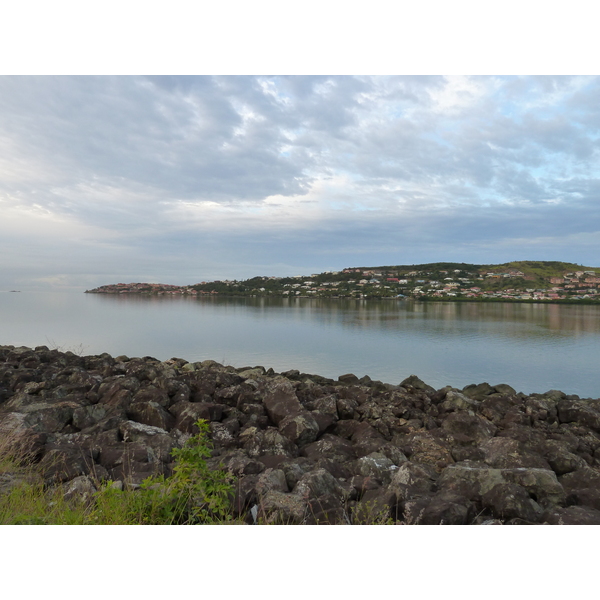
[517, 280]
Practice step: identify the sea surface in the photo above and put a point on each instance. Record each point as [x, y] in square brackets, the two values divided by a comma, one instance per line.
[532, 347]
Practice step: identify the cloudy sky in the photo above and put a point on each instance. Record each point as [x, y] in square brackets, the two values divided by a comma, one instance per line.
[183, 179]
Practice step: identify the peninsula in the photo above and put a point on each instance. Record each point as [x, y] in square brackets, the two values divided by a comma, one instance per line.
[521, 281]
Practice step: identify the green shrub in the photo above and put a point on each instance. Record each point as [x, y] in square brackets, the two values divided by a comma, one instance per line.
[193, 494]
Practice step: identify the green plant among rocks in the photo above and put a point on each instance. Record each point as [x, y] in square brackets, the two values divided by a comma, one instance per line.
[193, 494]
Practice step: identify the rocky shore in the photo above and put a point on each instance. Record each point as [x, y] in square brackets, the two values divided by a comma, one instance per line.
[306, 449]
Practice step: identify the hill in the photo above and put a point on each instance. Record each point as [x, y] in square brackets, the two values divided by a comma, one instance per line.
[517, 280]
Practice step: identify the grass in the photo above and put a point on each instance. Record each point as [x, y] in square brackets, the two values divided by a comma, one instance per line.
[192, 495]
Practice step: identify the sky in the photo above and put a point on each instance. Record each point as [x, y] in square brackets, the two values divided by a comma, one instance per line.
[107, 176]
[180, 179]
[273, 155]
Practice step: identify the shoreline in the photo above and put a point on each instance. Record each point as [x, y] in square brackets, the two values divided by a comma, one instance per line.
[585, 301]
[305, 449]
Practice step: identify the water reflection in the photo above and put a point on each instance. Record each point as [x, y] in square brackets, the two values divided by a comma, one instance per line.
[533, 347]
[516, 320]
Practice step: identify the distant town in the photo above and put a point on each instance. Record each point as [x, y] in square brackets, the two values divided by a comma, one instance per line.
[522, 281]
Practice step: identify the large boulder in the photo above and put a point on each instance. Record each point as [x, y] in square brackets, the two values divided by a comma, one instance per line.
[474, 481]
[468, 428]
[301, 428]
[280, 400]
[511, 501]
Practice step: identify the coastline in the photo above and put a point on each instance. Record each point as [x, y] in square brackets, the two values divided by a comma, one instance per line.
[479, 300]
[308, 449]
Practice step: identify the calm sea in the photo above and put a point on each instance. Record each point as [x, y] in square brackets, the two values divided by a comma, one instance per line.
[532, 347]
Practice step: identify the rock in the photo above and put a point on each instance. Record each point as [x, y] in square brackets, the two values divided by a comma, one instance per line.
[412, 480]
[257, 442]
[280, 400]
[572, 515]
[373, 508]
[346, 408]
[589, 497]
[295, 469]
[318, 483]
[187, 413]
[425, 448]
[301, 429]
[269, 480]
[455, 401]
[330, 446]
[579, 412]
[504, 389]
[562, 461]
[443, 508]
[510, 501]
[376, 466]
[584, 478]
[412, 381]
[468, 429]
[154, 394]
[80, 489]
[349, 379]
[350, 451]
[506, 453]
[61, 464]
[479, 391]
[474, 482]
[279, 508]
[327, 405]
[87, 416]
[366, 439]
[151, 413]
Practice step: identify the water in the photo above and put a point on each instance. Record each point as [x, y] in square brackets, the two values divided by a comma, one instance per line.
[533, 347]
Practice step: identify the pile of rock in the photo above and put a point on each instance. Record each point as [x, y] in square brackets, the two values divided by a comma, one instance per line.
[306, 449]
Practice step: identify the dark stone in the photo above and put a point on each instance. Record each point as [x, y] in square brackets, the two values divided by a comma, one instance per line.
[580, 479]
[151, 393]
[324, 422]
[187, 413]
[478, 391]
[151, 413]
[579, 412]
[412, 381]
[572, 515]
[330, 446]
[272, 461]
[506, 453]
[424, 447]
[448, 508]
[301, 429]
[245, 494]
[510, 501]
[468, 429]
[585, 497]
[280, 400]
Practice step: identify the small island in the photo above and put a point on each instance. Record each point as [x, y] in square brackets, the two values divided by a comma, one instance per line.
[520, 281]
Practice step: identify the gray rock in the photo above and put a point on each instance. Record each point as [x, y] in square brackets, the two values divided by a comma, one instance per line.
[301, 429]
[271, 480]
[279, 508]
[376, 465]
[455, 401]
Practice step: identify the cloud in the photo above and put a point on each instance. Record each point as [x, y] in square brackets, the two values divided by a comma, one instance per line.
[235, 173]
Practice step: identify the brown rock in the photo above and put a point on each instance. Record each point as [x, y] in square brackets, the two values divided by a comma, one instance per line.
[468, 429]
[280, 400]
